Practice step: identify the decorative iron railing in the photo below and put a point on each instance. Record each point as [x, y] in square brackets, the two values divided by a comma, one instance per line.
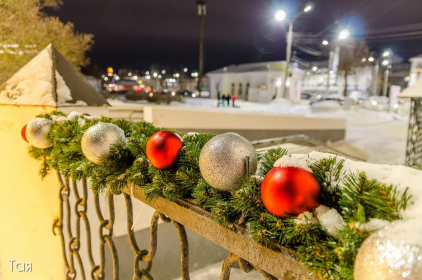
[272, 262]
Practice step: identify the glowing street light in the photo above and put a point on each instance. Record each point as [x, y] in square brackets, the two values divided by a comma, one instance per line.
[314, 68]
[325, 42]
[129, 74]
[159, 76]
[344, 34]
[363, 59]
[280, 15]
[155, 75]
[386, 53]
[309, 7]
[385, 62]
[371, 59]
[163, 72]
[185, 70]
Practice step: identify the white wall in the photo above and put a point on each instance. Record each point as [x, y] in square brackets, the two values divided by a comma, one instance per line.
[183, 118]
[415, 70]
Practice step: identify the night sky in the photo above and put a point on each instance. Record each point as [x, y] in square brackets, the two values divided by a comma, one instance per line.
[137, 33]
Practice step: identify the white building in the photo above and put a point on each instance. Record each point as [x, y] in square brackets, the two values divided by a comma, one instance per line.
[360, 81]
[415, 69]
[258, 82]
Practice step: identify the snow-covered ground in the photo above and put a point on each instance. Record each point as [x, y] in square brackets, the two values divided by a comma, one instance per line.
[382, 135]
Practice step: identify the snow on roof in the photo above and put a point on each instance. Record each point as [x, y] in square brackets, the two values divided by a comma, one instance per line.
[413, 91]
[49, 79]
[418, 56]
[251, 67]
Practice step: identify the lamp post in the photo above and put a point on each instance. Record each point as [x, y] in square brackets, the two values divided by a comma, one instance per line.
[281, 15]
[202, 11]
[387, 64]
[385, 58]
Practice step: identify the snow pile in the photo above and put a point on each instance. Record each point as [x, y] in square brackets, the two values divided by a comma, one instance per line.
[306, 218]
[372, 225]
[400, 176]
[288, 161]
[73, 115]
[112, 101]
[280, 101]
[330, 219]
[63, 92]
[360, 117]
[32, 84]
[326, 106]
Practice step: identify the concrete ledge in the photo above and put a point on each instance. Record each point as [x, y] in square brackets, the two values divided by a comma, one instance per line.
[253, 126]
[251, 135]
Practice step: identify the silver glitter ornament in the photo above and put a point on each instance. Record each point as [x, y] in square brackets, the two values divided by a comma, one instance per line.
[98, 140]
[223, 161]
[36, 130]
[392, 253]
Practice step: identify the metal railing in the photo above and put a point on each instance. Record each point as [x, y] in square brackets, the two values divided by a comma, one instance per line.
[274, 262]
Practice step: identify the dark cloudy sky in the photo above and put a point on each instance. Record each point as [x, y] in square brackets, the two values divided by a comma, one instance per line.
[137, 33]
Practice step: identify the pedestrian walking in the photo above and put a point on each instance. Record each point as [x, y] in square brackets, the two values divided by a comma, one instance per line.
[223, 100]
[228, 100]
[234, 97]
[218, 97]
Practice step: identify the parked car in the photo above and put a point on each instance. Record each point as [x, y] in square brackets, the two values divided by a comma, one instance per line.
[306, 95]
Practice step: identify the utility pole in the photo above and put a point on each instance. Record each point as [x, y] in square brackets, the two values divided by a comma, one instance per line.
[288, 59]
[202, 11]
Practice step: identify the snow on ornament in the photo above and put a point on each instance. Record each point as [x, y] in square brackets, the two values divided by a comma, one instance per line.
[290, 191]
[223, 161]
[36, 130]
[163, 149]
[98, 140]
[393, 253]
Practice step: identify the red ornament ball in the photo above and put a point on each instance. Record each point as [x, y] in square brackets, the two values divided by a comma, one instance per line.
[163, 149]
[290, 191]
[23, 133]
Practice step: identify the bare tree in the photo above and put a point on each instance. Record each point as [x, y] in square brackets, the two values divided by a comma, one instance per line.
[25, 30]
[351, 54]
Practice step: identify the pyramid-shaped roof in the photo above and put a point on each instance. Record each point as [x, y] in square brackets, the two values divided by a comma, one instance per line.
[49, 79]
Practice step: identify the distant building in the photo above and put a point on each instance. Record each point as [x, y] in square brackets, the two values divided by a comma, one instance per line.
[258, 82]
[415, 69]
[315, 80]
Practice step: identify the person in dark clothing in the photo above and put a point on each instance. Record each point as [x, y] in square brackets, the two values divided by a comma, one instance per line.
[218, 97]
[228, 100]
[223, 100]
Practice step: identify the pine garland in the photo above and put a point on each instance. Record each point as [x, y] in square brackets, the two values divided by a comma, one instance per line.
[358, 200]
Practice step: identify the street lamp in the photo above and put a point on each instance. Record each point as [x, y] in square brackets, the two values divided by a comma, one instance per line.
[281, 15]
[325, 42]
[344, 34]
[384, 60]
